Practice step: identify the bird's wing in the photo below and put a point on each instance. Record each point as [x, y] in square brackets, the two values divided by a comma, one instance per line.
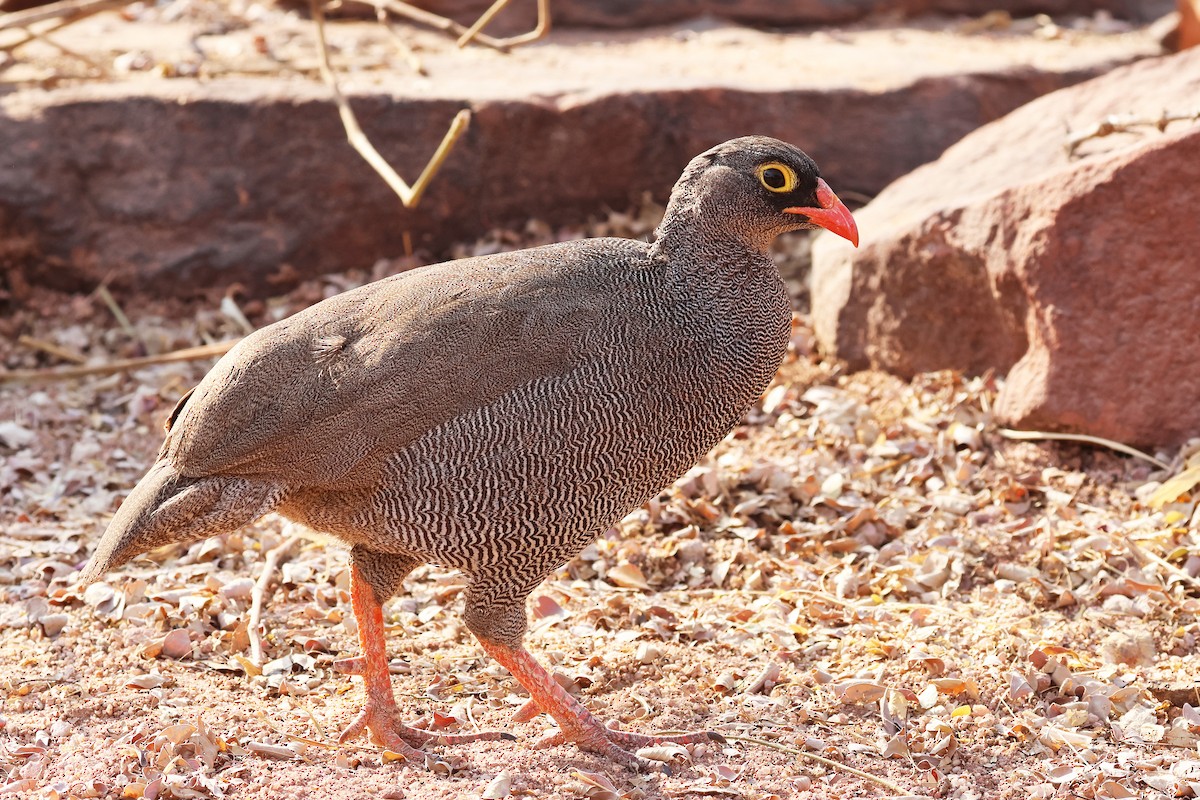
[325, 396]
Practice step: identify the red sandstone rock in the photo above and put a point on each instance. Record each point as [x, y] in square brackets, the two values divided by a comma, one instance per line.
[175, 185]
[1078, 275]
[1188, 33]
[520, 14]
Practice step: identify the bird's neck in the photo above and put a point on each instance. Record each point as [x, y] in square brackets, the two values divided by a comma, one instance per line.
[699, 232]
[694, 239]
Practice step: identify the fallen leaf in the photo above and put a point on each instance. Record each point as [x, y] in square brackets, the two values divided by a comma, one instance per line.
[627, 576]
[273, 751]
[149, 681]
[668, 752]
[498, 787]
[857, 692]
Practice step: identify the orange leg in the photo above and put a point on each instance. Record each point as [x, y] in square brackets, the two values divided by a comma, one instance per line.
[576, 724]
[379, 714]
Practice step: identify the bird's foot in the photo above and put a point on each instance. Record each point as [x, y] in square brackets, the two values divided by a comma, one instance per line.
[575, 723]
[382, 720]
[380, 715]
[391, 733]
[589, 734]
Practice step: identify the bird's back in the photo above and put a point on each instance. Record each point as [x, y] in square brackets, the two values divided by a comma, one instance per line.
[321, 397]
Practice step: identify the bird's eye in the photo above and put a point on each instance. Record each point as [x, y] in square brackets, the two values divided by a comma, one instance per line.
[777, 177]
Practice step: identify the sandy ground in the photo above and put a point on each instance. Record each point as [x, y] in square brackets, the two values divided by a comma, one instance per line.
[865, 571]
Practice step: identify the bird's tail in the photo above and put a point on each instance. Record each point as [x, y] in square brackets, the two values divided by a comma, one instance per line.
[168, 508]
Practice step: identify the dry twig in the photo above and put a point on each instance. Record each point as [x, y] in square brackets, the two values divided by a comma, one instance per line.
[254, 626]
[120, 365]
[59, 352]
[1144, 557]
[117, 311]
[265, 720]
[1009, 433]
[435, 21]
[540, 29]
[409, 196]
[44, 37]
[70, 9]
[1118, 124]
[829, 762]
[59, 15]
[414, 62]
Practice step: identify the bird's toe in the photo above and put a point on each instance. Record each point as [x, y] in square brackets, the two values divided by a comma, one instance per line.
[550, 738]
[355, 728]
[527, 712]
[476, 736]
[350, 666]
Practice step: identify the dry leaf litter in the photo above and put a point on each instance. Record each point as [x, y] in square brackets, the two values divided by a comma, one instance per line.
[864, 571]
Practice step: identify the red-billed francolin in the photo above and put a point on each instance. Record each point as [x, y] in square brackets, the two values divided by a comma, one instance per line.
[494, 414]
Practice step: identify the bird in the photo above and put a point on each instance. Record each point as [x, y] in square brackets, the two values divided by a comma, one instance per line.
[494, 415]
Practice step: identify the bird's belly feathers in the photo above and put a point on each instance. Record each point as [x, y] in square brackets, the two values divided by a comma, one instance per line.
[537, 474]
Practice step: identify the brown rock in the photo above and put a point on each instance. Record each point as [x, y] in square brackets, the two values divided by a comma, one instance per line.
[1077, 275]
[521, 15]
[1188, 32]
[172, 186]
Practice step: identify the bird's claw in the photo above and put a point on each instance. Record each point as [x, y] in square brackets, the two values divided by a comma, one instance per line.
[387, 730]
[383, 723]
[621, 746]
[527, 712]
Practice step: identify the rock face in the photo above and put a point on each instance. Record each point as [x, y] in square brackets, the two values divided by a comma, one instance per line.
[1078, 275]
[1189, 24]
[171, 186]
[520, 15]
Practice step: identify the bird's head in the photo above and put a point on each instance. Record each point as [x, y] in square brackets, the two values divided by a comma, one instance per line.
[756, 188]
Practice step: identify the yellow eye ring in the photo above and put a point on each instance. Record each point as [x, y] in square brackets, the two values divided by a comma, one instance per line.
[776, 177]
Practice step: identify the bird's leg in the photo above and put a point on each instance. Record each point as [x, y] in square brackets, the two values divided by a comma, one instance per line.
[495, 612]
[379, 714]
[576, 723]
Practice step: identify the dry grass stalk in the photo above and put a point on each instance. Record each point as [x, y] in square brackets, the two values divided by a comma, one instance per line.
[410, 196]
[1009, 433]
[406, 52]
[435, 21]
[44, 37]
[70, 9]
[119, 365]
[540, 29]
[1116, 124]
[254, 627]
[59, 15]
[891, 787]
[61, 353]
[1143, 557]
[104, 294]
